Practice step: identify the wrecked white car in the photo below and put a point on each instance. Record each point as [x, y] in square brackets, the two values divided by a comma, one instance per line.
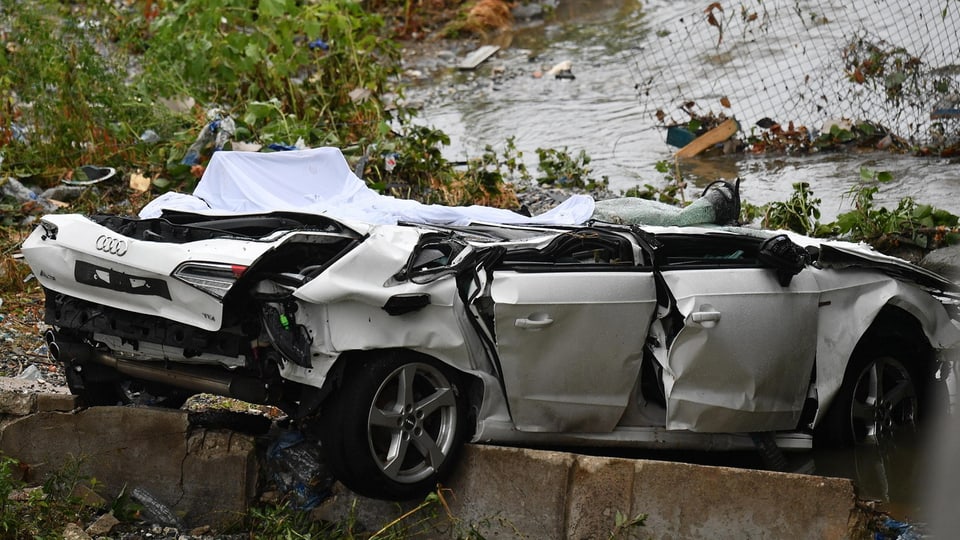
[393, 343]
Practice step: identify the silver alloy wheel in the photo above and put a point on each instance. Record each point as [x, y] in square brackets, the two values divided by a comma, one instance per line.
[412, 422]
[884, 401]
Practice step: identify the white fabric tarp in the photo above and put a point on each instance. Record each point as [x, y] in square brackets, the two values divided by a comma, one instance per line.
[319, 181]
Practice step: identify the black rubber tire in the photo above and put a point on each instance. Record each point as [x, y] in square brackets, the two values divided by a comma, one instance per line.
[425, 435]
[883, 395]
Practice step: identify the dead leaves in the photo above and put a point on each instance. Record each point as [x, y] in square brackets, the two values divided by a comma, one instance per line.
[712, 19]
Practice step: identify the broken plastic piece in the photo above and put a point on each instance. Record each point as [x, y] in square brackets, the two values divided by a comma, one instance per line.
[154, 510]
[477, 57]
[715, 136]
[787, 258]
[290, 338]
[318, 44]
[296, 467]
[88, 175]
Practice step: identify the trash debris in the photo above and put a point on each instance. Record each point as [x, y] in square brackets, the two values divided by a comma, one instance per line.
[139, 182]
[218, 132]
[26, 196]
[478, 56]
[89, 175]
[296, 467]
[716, 135]
[390, 161]
[563, 70]
[62, 193]
[318, 44]
[154, 510]
[150, 137]
[892, 529]
[30, 373]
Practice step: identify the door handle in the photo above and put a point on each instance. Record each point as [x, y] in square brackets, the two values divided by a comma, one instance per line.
[707, 319]
[536, 321]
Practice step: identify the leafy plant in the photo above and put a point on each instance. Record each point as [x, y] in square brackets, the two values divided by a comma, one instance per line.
[40, 511]
[800, 213]
[561, 169]
[63, 97]
[921, 225]
[623, 525]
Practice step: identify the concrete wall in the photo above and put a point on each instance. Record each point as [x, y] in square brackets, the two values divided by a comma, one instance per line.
[209, 477]
[204, 477]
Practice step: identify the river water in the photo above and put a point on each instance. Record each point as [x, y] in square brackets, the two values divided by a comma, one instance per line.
[630, 59]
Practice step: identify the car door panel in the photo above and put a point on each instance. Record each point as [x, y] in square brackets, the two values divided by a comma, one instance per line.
[570, 345]
[744, 356]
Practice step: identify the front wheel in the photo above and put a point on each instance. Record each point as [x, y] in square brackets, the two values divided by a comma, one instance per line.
[880, 400]
[394, 426]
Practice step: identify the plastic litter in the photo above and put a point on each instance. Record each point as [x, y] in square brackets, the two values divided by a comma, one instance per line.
[891, 529]
[318, 44]
[31, 373]
[150, 137]
[63, 193]
[13, 188]
[89, 175]
[296, 467]
[218, 132]
[154, 510]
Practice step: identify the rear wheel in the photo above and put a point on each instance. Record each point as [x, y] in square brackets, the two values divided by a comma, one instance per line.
[394, 427]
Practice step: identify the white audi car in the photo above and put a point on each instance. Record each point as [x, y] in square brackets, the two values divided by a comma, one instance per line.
[396, 336]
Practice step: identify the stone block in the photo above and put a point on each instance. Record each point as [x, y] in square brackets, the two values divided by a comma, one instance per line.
[210, 477]
[15, 403]
[48, 402]
[697, 501]
[511, 491]
[599, 488]
[219, 476]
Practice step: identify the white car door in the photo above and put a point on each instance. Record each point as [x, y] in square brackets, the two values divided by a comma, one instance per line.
[742, 361]
[570, 344]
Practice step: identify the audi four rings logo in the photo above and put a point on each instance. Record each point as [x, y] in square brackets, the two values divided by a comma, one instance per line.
[113, 246]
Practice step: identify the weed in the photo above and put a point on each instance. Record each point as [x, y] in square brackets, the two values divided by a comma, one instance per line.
[921, 225]
[800, 213]
[623, 525]
[41, 512]
[561, 169]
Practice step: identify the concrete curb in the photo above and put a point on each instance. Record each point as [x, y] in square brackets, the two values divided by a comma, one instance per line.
[204, 476]
[209, 477]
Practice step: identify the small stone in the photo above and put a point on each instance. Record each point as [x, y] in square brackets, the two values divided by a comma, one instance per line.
[73, 532]
[103, 525]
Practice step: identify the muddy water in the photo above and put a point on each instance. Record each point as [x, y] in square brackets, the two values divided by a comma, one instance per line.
[602, 112]
[610, 44]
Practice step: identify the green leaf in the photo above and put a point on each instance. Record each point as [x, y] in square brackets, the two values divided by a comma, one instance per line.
[884, 176]
[272, 8]
[253, 51]
[866, 174]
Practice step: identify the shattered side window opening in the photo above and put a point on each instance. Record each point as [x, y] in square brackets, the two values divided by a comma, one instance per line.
[706, 251]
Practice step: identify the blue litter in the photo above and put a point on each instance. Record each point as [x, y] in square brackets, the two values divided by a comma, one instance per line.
[318, 44]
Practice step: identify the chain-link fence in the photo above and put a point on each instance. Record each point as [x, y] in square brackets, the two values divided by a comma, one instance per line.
[893, 63]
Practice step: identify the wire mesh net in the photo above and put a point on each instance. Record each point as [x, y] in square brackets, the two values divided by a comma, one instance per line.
[893, 63]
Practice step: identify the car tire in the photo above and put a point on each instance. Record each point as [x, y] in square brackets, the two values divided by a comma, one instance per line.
[394, 427]
[883, 396]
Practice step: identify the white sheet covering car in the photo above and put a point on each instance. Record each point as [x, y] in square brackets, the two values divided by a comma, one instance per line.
[394, 332]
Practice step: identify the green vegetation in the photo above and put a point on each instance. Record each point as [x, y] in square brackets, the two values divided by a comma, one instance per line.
[39, 512]
[910, 224]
